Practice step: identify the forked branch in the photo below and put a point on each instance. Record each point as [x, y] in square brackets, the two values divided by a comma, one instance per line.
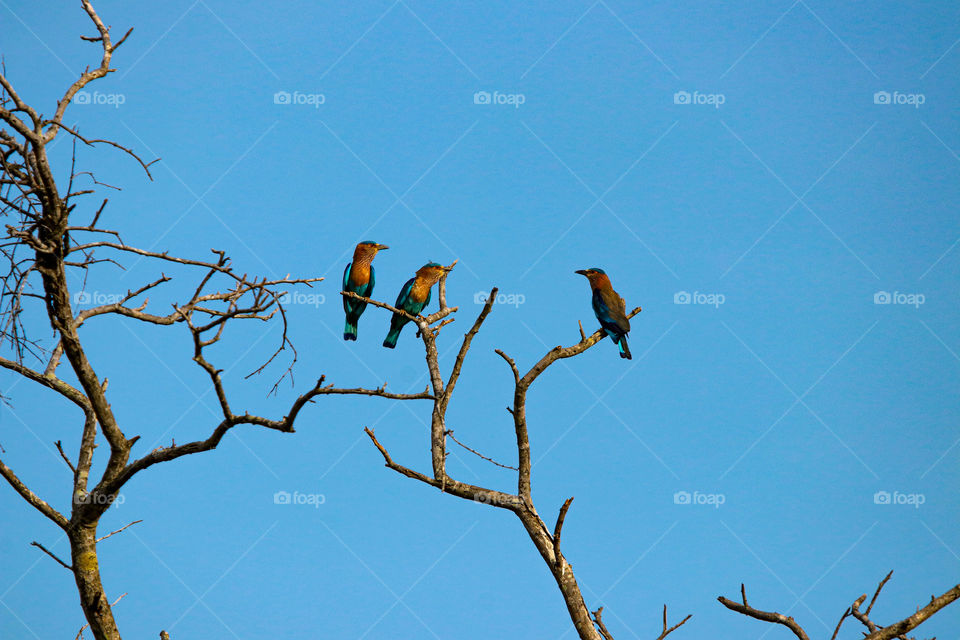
[874, 630]
[547, 541]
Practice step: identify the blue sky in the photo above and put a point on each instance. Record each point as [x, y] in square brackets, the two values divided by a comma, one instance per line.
[785, 167]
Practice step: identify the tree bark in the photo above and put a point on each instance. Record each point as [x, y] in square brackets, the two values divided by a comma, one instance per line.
[86, 572]
[562, 573]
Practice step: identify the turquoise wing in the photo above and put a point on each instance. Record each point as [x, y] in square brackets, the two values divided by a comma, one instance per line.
[368, 290]
[404, 298]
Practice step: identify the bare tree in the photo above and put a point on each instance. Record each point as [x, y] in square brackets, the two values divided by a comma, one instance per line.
[589, 625]
[43, 244]
[874, 631]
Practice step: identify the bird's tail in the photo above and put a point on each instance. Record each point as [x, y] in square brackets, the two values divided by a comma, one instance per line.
[624, 349]
[350, 330]
[391, 340]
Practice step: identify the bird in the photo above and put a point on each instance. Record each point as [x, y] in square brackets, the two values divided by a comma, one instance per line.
[359, 278]
[609, 308]
[413, 298]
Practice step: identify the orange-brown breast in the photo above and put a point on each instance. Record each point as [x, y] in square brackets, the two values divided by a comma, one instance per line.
[360, 273]
[420, 289]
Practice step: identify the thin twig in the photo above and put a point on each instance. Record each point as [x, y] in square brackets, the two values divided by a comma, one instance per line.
[118, 530]
[64, 456]
[113, 604]
[667, 631]
[558, 529]
[766, 616]
[598, 619]
[51, 554]
[477, 453]
[877, 592]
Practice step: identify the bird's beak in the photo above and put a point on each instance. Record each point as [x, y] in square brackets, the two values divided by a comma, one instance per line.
[381, 247]
[582, 272]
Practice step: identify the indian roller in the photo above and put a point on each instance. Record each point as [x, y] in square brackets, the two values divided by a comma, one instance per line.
[359, 278]
[413, 298]
[609, 308]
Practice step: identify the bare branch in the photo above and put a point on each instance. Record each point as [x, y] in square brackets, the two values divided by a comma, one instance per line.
[388, 461]
[766, 616]
[845, 615]
[598, 619]
[112, 604]
[459, 489]
[64, 456]
[91, 142]
[876, 593]
[442, 285]
[110, 486]
[558, 529]
[467, 339]
[119, 530]
[40, 505]
[87, 76]
[667, 631]
[379, 392]
[67, 391]
[51, 554]
[477, 453]
[513, 365]
[898, 629]
[558, 353]
[420, 321]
